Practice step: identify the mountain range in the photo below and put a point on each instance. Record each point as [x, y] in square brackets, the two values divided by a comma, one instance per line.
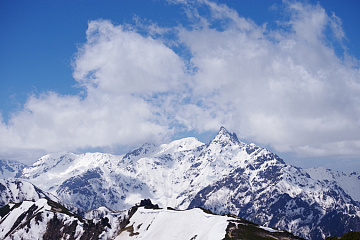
[226, 176]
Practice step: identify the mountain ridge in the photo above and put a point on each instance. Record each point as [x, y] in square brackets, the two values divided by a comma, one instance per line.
[46, 219]
[224, 175]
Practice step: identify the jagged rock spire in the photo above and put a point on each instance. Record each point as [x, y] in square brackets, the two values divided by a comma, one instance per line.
[224, 137]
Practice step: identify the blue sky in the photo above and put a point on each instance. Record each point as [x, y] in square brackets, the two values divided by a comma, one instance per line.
[111, 75]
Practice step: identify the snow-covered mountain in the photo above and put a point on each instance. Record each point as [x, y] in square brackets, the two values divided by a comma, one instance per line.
[46, 219]
[349, 181]
[170, 174]
[273, 194]
[10, 169]
[225, 175]
[17, 190]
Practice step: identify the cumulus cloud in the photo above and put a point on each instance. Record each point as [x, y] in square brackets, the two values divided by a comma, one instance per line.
[283, 87]
[51, 123]
[123, 74]
[120, 61]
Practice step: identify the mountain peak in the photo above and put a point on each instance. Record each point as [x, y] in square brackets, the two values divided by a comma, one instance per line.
[225, 136]
[183, 144]
[223, 131]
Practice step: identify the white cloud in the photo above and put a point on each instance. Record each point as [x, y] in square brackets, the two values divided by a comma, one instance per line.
[121, 61]
[282, 87]
[121, 71]
[57, 123]
[287, 89]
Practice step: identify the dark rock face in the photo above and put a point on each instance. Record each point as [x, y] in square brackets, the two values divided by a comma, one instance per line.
[243, 229]
[148, 204]
[57, 228]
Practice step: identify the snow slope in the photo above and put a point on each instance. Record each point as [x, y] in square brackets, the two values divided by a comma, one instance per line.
[17, 190]
[170, 224]
[11, 221]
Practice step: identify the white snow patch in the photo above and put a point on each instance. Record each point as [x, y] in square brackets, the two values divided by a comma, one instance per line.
[168, 224]
[269, 229]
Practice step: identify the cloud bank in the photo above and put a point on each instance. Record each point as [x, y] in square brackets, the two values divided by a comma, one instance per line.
[285, 87]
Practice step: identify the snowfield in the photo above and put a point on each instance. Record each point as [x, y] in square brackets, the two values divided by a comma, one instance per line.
[176, 225]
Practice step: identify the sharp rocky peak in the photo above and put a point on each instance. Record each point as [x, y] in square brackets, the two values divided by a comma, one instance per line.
[224, 137]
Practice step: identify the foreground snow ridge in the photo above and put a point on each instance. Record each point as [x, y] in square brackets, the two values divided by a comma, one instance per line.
[46, 219]
[197, 223]
[161, 224]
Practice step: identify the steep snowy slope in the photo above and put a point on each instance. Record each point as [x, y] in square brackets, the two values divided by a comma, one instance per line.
[225, 175]
[17, 190]
[46, 219]
[10, 169]
[350, 182]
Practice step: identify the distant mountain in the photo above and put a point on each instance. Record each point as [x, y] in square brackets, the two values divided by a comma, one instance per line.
[10, 169]
[350, 181]
[225, 176]
[46, 219]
